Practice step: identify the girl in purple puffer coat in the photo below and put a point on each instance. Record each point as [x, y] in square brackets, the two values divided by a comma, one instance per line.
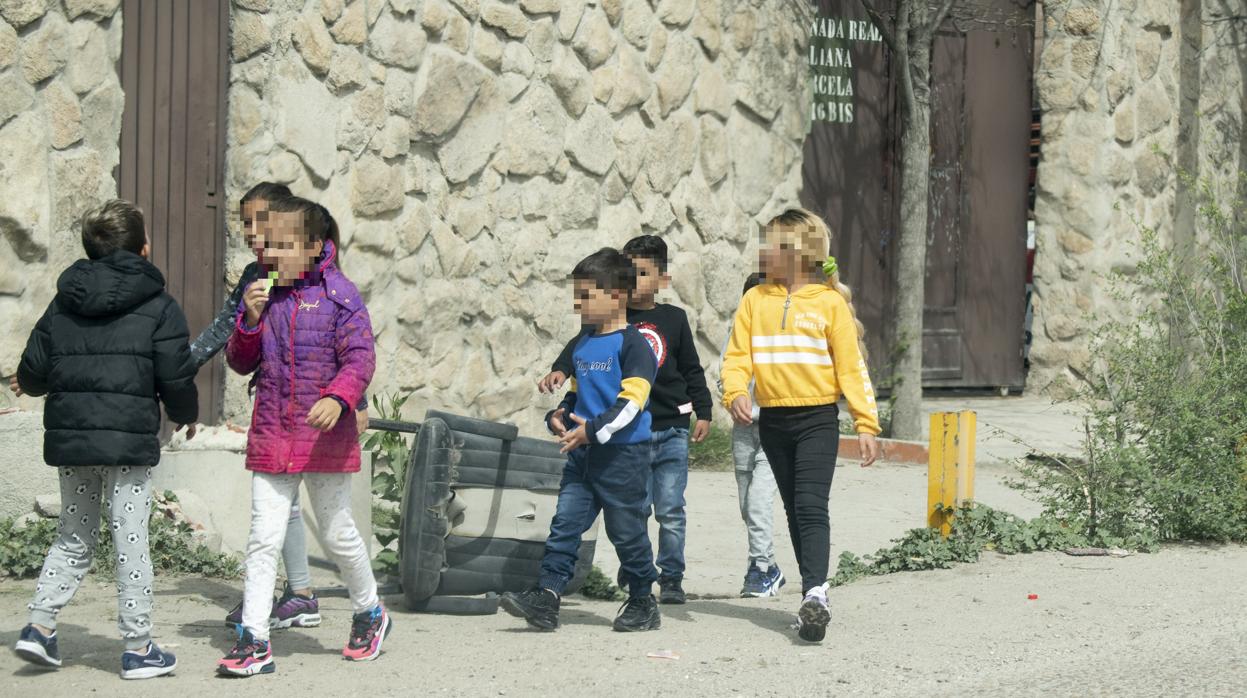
[307, 332]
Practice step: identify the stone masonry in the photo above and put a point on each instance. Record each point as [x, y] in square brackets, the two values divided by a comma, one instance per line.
[474, 150]
[1132, 92]
[60, 116]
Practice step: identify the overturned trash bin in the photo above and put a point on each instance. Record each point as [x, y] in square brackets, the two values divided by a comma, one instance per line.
[476, 511]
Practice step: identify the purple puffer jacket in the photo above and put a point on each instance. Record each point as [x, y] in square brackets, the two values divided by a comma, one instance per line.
[314, 340]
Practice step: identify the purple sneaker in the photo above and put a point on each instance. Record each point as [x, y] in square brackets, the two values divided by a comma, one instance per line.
[294, 611]
[234, 618]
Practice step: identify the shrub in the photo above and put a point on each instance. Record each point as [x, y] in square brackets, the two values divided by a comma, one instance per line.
[1166, 442]
[172, 543]
[391, 452]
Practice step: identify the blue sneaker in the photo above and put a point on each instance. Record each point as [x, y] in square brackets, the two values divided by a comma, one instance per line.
[37, 648]
[755, 582]
[774, 580]
[147, 664]
[760, 583]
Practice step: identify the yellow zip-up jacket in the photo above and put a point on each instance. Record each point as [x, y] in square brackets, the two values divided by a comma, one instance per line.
[801, 351]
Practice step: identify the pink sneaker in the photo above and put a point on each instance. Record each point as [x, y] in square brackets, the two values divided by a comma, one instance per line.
[368, 630]
[248, 657]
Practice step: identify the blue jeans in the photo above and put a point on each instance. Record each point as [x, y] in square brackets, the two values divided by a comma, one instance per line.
[668, 480]
[613, 480]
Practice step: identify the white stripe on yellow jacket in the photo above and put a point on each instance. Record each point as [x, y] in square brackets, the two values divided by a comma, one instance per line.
[792, 357]
[789, 340]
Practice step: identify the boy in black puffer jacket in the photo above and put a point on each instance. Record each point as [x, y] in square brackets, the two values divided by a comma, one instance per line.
[110, 348]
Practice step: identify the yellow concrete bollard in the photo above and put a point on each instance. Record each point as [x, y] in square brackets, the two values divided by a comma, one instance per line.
[950, 466]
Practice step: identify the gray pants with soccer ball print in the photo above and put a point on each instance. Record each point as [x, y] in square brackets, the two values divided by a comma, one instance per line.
[127, 490]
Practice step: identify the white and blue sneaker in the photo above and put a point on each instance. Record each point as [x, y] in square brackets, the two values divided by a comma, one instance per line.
[774, 580]
[761, 582]
[148, 663]
[37, 648]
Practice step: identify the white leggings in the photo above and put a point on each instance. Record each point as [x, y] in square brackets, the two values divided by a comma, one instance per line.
[330, 495]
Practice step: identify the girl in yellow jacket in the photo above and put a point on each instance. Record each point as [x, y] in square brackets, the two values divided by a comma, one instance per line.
[798, 338]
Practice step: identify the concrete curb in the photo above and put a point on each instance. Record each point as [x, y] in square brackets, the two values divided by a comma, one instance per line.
[894, 451]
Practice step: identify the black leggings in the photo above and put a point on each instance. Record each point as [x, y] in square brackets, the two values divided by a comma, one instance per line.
[801, 443]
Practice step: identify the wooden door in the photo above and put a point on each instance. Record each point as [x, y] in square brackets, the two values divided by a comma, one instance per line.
[174, 72]
[942, 337]
[975, 281]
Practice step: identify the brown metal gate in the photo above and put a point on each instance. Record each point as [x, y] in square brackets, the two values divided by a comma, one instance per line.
[976, 241]
[174, 71]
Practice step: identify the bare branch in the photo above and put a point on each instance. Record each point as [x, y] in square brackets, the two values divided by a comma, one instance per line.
[880, 23]
[940, 14]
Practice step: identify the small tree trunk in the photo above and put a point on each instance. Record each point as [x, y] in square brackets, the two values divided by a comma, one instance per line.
[914, 53]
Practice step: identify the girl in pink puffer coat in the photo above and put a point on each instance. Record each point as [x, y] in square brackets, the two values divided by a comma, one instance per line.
[307, 332]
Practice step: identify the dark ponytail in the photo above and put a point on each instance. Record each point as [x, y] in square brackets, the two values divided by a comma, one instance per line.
[266, 191]
[319, 223]
[329, 227]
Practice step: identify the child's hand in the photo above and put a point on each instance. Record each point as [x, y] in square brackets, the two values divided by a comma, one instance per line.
[325, 414]
[361, 421]
[552, 382]
[869, 446]
[191, 430]
[575, 438]
[742, 411]
[15, 387]
[701, 430]
[254, 299]
[556, 422]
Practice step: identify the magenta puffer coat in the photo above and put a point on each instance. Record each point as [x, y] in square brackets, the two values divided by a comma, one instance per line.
[314, 341]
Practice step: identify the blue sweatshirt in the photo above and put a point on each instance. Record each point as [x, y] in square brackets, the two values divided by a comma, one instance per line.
[614, 373]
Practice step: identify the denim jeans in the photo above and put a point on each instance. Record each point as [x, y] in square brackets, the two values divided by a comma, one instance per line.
[667, 484]
[612, 479]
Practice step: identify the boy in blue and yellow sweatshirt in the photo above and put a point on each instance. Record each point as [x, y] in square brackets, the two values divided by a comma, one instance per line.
[604, 429]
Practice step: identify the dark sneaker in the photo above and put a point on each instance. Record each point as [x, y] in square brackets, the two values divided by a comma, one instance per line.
[755, 582]
[540, 607]
[814, 615]
[638, 614]
[294, 611]
[37, 648]
[773, 579]
[148, 663]
[233, 619]
[368, 631]
[670, 590]
[248, 657]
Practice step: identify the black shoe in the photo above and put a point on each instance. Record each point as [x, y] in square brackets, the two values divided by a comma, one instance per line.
[670, 590]
[638, 614]
[540, 607]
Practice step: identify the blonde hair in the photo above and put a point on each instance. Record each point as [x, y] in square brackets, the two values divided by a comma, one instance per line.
[811, 240]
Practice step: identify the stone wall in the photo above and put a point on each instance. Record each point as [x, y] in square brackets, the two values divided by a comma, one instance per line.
[474, 150]
[1132, 92]
[60, 116]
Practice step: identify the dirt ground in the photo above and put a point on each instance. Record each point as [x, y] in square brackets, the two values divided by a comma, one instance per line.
[1171, 623]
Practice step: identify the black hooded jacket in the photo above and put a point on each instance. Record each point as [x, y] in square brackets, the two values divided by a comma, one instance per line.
[110, 347]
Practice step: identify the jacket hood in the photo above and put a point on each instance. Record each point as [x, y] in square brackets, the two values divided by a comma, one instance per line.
[108, 286]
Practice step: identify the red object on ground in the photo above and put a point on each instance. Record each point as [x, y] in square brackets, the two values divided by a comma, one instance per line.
[1032, 597]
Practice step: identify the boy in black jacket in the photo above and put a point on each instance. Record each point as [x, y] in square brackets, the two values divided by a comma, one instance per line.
[679, 391]
[109, 349]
